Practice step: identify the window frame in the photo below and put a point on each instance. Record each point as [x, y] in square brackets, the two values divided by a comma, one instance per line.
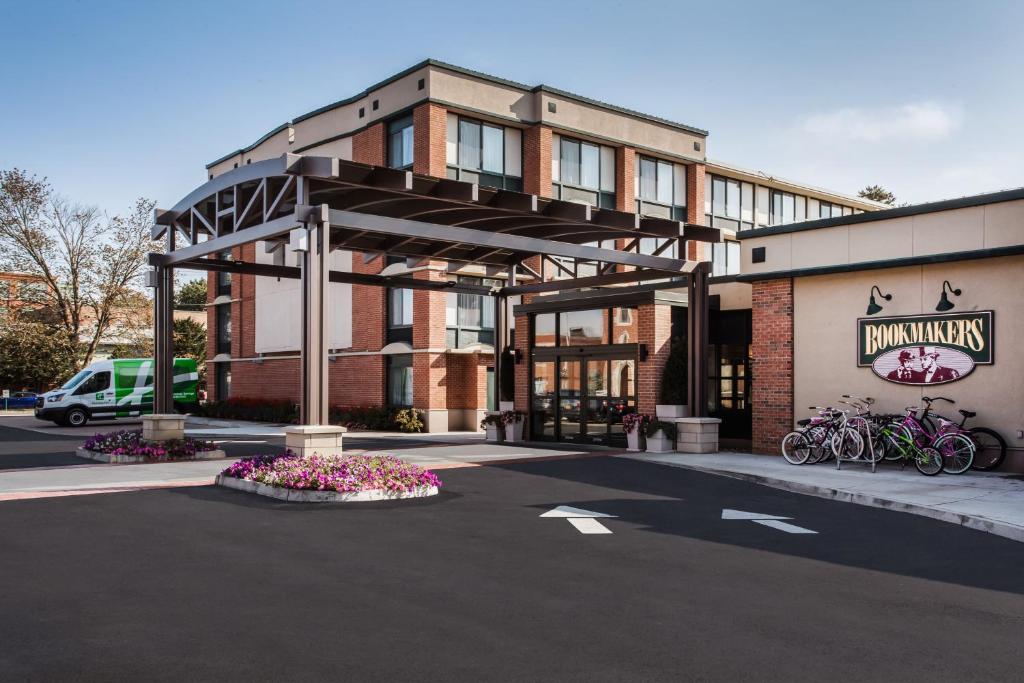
[481, 331]
[457, 170]
[677, 210]
[604, 198]
[398, 126]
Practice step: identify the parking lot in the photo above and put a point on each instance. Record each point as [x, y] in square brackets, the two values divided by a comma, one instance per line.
[695, 576]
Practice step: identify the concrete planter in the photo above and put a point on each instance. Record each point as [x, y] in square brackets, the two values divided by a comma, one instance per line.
[659, 443]
[514, 431]
[298, 496]
[697, 434]
[495, 433]
[134, 459]
[635, 441]
[669, 412]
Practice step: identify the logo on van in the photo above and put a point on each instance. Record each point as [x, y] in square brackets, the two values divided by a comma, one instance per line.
[923, 365]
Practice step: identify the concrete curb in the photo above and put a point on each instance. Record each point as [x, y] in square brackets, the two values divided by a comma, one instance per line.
[1010, 531]
[135, 459]
[297, 496]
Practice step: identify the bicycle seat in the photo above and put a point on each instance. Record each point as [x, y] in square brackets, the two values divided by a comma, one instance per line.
[967, 413]
[804, 422]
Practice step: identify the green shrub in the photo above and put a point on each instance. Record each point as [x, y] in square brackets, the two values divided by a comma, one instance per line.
[409, 421]
[254, 409]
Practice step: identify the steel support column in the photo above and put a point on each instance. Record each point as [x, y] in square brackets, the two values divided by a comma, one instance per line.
[163, 346]
[313, 349]
[697, 340]
[500, 332]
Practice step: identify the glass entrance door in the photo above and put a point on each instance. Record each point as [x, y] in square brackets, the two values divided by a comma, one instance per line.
[570, 401]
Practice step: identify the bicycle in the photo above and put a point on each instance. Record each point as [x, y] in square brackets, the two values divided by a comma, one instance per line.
[927, 459]
[989, 446]
[955, 449]
[867, 425]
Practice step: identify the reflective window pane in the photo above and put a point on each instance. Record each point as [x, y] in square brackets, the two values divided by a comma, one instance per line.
[544, 329]
[732, 199]
[648, 177]
[493, 150]
[718, 196]
[469, 144]
[584, 327]
[570, 162]
[664, 182]
[590, 166]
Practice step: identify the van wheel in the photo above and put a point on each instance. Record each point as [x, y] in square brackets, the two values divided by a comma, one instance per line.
[76, 417]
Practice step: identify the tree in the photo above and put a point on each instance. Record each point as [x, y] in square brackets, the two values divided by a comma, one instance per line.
[32, 356]
[191, 296]
[190, 340]
[90, 264]
[877, 193]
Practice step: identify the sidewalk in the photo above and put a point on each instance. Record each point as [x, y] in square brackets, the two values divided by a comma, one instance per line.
[986, 501]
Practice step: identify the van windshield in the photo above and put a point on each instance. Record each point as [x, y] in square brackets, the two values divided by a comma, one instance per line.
[76, 380]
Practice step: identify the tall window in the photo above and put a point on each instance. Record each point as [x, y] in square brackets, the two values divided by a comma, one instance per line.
[728, 203]
[660, 188]
[484, 153]
[223, 277]
[399, 315]
[725, 258]
[469, 318]
[827, 210]
[400, 142]
[224, 328]
[400, 380]
[583, 172]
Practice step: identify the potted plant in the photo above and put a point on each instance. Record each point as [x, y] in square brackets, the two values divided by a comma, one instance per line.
[513, 421]
[661, 436]
[493, 426]
[635, 426]
[673, 383]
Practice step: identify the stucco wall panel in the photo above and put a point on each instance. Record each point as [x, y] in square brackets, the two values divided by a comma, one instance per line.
[1004, 224]
[882, 240]
[818, 248]
[946, 231]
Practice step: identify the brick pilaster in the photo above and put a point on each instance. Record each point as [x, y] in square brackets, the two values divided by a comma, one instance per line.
[368, 145]
[537, 160]
[772, 363]
[430, 131]
[655, 331]
[695, 208]
[625, 173]
[429, 380]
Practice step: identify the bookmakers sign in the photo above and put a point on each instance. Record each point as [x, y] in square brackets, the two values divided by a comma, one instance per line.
[925, 349]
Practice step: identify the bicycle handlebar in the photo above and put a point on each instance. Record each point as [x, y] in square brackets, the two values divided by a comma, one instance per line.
[867, 400]
[938, 398]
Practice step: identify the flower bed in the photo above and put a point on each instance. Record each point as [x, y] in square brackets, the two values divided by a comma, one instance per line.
[128, 446]
[330, 478]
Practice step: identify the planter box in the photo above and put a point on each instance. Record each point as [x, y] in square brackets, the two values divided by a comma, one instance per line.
[697, 434]
[514, 431]
[299, 496]
[134, 459]
[635, 441]
[494, 433]
[671, 411]
[659, 443]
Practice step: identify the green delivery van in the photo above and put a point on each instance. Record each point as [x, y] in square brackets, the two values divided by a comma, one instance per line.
[109, 389]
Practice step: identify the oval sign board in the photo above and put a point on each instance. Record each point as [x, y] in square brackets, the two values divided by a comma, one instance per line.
[923, 365]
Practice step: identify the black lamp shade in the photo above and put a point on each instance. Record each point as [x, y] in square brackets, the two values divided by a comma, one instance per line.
[873, 306]
[944, 303]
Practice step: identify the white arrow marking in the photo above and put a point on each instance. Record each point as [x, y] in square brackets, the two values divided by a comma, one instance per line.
[772, 521]
[740, 514]
[585, 521]
[567, 511]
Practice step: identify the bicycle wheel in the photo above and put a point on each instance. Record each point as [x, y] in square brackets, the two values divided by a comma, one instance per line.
[989, 449]
[896, 441]
[847, 443]
[818, 437]
[874, 445]
[928, 461]
[957, 453]
[796, 448]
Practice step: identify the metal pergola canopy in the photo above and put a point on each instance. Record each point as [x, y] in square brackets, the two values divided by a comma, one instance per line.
[316, 204]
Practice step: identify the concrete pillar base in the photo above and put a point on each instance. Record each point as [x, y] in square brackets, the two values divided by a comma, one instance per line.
[308, 439]
[697, 434]
[165, 427]
[435, 420]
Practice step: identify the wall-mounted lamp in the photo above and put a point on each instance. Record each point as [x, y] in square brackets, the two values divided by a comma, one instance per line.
[944, 303]
[873, 306]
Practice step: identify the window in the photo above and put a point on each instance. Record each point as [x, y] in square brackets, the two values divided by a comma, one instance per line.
[783, 207]
[400, 143]
[544, 329]
[583, 172]
[399, 315]
[224, 278]
[484, 153]
[660, 188]
[400, 380]
[224, 328]
[469, 318]
[583, 328]
[98, 382]
[725, 258]
[827, 210]
[223, 380]
[729, 203]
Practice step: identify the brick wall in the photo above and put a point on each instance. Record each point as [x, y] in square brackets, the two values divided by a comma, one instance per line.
[655, 331]
[772, 363]
[537, 160]
[625, 185]
[368, 145]
[430, 131]
[695, 207]
[429, 379]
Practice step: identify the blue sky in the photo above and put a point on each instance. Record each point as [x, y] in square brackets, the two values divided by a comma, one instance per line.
[117, 100]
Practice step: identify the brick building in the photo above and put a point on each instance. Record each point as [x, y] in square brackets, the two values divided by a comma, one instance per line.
[580, 361]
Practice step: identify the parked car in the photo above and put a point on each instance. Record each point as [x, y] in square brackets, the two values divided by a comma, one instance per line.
[110, 389]
[20, 399]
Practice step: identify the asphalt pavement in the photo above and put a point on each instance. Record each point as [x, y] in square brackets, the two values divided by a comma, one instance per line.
[207, 584]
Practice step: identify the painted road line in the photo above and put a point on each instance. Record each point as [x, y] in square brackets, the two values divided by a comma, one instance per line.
[584, 521]
[783, 526]
[771, 521]
[589, 525]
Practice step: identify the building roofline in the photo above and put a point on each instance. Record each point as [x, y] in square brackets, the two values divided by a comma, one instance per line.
[860, 201]
[466, 72]
[898, 212]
